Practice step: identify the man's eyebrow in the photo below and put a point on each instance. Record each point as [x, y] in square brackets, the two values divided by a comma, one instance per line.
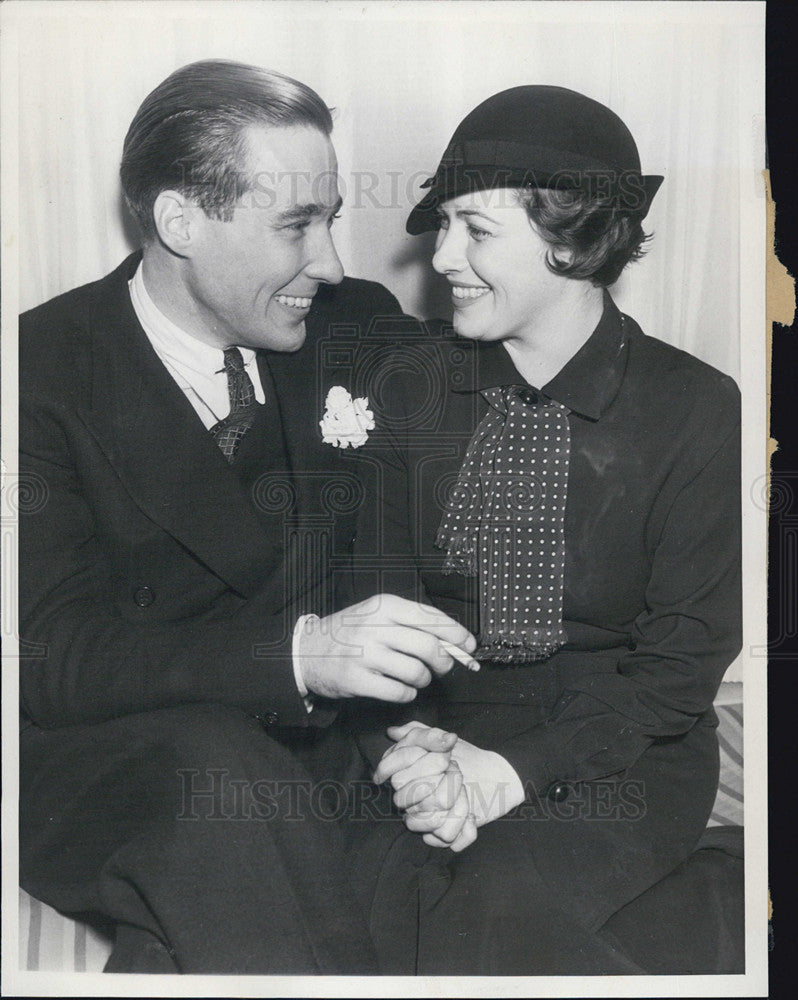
[299, 213]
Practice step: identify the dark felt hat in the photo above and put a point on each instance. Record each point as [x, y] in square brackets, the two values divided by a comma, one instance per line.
[539, 136]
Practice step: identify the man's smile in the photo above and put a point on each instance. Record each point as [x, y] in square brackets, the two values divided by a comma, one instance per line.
[294, 301]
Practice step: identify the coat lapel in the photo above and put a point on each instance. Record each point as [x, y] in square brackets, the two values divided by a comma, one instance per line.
[326, 486]
[162, 453]
[294, 379]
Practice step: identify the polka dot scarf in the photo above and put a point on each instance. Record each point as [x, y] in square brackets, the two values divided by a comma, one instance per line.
[504, 523]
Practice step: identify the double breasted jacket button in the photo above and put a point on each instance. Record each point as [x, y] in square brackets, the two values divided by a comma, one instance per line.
[558, 791]
[143, 597]
[269, 718]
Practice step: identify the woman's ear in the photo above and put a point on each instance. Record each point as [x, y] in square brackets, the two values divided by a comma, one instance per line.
[176, 221]
[559, 257]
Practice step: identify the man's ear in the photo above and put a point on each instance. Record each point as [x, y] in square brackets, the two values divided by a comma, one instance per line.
[176, 221]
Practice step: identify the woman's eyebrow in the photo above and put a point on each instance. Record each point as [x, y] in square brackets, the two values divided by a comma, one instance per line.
[469, 212]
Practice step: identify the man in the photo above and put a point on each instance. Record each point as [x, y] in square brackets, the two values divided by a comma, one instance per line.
[184, 659]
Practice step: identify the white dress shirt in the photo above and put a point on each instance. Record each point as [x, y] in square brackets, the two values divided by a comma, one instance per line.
[198, 369]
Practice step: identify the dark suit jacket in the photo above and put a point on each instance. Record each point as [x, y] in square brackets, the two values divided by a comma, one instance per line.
[149, 577]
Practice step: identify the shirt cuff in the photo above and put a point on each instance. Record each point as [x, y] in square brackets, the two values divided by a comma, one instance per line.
[306, 696]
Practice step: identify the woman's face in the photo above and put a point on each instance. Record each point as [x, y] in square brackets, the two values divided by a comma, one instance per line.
[495, 262]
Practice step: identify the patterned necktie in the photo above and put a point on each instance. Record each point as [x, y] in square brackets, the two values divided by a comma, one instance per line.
[504, 522]
[229, 431]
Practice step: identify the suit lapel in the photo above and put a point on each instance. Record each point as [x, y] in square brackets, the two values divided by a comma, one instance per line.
[325, 486]
[309, 526]
[162, 453]
[294, 378]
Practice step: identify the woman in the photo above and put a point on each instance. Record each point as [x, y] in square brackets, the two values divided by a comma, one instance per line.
[573, 496]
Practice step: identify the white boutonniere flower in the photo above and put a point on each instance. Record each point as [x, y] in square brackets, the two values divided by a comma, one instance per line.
[346, 421]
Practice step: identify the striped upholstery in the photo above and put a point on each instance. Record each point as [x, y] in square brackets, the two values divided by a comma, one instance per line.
[49, 941]
[728, 808]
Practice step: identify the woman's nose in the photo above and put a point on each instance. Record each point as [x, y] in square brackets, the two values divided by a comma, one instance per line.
[449, 253]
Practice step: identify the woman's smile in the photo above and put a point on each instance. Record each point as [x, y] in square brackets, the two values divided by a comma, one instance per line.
[495, 262]
[464, 295]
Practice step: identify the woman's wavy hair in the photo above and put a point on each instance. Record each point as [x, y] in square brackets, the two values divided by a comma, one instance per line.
[600, 237]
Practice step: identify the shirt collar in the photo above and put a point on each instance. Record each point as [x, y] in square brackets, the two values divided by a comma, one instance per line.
[587, 384]
[190, 356]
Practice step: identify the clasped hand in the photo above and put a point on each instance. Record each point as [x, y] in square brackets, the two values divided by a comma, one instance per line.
[447, 787]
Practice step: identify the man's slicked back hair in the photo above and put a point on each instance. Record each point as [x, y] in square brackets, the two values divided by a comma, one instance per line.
[189, 134]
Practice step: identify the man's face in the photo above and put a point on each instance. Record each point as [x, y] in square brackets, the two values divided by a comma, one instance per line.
[252, 279]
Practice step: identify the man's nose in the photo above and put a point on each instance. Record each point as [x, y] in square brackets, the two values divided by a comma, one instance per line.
[449, 253]
[325, 264]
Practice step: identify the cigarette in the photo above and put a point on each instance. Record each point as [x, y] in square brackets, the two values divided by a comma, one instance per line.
[460, 655]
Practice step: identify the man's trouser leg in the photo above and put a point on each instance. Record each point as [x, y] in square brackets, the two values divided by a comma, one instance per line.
[193, 825]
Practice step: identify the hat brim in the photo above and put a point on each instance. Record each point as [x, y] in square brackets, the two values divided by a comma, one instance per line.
[446, 185]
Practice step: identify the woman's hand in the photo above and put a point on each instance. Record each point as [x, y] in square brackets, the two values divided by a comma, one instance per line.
[428, 784]
[447, 786]
[417, 766]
